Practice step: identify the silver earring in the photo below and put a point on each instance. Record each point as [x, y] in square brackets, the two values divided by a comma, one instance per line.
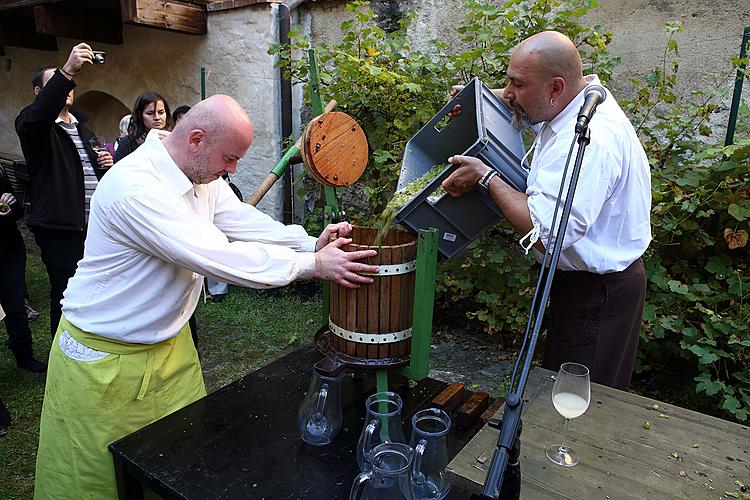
[551, 102]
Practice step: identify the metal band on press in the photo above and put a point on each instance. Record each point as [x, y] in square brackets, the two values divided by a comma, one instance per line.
[394, 269]
[368, 338]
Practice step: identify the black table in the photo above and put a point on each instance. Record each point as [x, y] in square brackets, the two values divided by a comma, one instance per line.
[241, 441]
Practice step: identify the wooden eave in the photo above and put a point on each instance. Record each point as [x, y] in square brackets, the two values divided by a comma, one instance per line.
[217, 5]
[36, 24]
[181, 16]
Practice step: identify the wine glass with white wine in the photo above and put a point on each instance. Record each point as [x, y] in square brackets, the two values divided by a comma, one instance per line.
[570, 396]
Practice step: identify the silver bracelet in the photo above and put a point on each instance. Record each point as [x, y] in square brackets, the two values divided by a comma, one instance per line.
[484, 183]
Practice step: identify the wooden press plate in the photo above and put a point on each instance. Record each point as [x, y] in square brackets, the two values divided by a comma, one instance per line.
[335, 149]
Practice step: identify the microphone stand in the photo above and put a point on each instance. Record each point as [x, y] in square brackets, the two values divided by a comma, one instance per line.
[503, 479]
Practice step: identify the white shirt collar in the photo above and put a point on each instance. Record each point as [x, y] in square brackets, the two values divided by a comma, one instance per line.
[174, 178]
[563, 117]
[73, 120]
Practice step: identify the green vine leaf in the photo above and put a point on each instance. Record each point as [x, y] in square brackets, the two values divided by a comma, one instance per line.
[741, 213]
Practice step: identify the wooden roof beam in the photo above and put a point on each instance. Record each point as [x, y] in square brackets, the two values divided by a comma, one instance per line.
[171, 15]
[93, 26]
[17, 30]
[17, 4]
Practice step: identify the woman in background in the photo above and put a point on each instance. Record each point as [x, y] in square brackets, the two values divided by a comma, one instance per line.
[150, 111]
[124, 124]
[178, 112]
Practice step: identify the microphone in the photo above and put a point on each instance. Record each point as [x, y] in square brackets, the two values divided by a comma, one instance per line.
[593, 96]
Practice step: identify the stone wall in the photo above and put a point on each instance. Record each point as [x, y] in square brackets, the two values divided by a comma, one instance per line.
[169, 63]
[713, 31]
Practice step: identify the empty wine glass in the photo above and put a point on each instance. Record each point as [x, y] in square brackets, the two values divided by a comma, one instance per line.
[570, 396]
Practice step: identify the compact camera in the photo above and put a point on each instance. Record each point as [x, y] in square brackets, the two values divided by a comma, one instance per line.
[99, 57]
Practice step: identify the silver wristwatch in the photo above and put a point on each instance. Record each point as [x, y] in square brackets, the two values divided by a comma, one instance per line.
[483, 184]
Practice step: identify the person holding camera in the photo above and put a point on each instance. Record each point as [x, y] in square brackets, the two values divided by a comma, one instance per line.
[597, 297]
[64, 170]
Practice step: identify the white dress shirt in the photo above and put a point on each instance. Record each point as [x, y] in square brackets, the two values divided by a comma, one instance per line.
[609, 226]
[153, 234]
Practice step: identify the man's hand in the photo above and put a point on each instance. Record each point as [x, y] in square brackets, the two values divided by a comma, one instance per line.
[6, 200]
[466, 176]
[160, 133]
[104, 159]
[331, 232]
[456, 111]
[80, 55]
[334, 264]
[455, 90]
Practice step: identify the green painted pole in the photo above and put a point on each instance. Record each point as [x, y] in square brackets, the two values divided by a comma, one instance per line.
[381, 385]
[381, 380]
[203, 83]
[737, 90]
[315, 101]
[332, 212]
[318, 109]
[424, 301]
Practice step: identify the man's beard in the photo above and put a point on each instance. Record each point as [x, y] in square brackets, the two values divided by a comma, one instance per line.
[520, 120]
[195, 170]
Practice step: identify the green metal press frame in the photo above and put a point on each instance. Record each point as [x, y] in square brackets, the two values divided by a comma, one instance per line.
[424, 281]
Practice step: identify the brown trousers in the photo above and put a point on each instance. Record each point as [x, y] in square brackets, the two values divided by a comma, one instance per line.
[595, 320]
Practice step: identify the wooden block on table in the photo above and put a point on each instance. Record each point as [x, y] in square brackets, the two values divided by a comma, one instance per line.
[451, 397]
[491, 410]
[469, 412]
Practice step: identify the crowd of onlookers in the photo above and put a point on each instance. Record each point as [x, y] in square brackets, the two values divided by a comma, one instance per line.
[65, 161]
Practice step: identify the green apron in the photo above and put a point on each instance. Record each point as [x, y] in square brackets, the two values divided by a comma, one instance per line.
[90, 404]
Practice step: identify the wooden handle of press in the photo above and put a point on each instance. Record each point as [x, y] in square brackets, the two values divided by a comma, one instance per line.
[259, 193]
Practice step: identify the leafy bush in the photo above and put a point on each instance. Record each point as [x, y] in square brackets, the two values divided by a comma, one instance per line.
[697, 264]
[377, 78]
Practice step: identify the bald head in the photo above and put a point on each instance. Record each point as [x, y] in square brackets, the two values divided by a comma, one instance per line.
[210, 138]
[544, 75]
[216, 116]
[552, 54]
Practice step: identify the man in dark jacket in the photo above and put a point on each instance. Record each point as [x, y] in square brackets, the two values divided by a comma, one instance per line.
[64, 171]
[13, 280]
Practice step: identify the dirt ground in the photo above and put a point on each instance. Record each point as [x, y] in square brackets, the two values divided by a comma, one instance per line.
[472, 359]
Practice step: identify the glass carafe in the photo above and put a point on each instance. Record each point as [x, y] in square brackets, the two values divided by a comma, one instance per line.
[382, 425]
[388, 477]
[319, 416]
[429, 436]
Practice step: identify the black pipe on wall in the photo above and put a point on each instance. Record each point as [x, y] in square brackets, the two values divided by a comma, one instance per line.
[286, 115]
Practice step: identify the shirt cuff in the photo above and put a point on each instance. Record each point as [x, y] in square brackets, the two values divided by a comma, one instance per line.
[542, 231]
[306, 265]
[308, 245]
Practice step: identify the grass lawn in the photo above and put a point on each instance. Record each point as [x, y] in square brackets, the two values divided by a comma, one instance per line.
[249, 329]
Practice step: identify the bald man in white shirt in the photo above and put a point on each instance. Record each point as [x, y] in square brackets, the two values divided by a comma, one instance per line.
[597, 297]
[160, 220]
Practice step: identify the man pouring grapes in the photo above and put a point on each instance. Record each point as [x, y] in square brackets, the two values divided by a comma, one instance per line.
[597, 297]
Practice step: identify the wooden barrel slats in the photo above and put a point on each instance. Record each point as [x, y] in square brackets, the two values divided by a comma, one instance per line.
[384, 307]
